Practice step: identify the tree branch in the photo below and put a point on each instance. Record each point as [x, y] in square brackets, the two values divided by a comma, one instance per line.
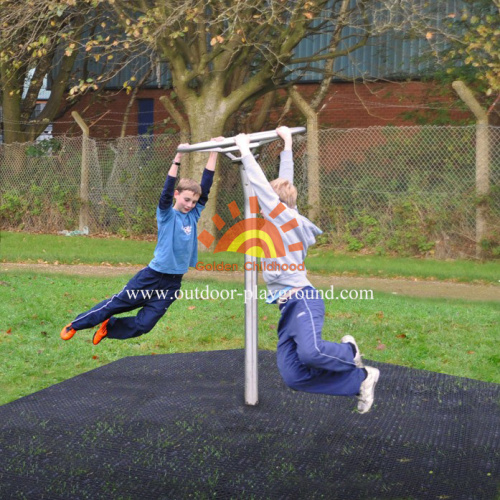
[178, 118]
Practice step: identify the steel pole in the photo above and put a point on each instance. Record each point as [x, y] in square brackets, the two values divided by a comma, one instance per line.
[251, 317]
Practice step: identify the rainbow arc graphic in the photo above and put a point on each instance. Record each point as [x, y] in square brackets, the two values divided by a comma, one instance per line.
[254, 236]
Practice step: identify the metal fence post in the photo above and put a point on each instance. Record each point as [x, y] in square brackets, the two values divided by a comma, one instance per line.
[251, 319]
[84, 178]
[482, 161]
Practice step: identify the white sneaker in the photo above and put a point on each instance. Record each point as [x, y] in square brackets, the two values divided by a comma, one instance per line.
[367, 389]
[357, 357]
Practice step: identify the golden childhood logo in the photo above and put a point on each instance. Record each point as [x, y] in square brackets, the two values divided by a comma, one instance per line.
[255, 236]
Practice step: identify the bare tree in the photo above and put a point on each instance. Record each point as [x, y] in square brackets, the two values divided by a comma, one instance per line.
[223, 56]
[42, 39]
[463, 44]
[32, 36]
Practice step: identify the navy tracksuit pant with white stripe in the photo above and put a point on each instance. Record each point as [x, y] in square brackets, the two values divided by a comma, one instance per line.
[306, 361]
[160, 292]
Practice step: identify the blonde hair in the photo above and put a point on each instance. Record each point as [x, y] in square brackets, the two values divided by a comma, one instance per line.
[186, 184]
[286, 191]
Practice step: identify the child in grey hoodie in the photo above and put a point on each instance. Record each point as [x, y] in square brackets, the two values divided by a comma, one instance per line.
[306, 361]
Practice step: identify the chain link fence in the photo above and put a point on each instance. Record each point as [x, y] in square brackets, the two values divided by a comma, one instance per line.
[401, 190]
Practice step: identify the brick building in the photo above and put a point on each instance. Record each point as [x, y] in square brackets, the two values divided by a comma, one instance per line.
[348, 105]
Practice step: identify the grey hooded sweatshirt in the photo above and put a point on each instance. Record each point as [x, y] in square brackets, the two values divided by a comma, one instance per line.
[289, 271]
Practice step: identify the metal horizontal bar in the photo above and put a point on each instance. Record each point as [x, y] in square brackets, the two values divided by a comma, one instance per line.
[257, 137]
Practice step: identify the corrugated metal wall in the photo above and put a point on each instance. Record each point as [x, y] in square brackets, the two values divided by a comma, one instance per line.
[386, 56]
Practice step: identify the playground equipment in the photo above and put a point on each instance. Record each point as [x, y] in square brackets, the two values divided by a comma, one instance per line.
[227, 146]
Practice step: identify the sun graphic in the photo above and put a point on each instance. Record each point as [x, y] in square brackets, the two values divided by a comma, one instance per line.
[257, 237]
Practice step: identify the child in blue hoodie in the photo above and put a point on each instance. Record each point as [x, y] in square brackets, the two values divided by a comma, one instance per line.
[306, 361]
[155, 288]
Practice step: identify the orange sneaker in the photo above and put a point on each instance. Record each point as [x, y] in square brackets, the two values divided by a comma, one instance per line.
[100, 333]
[67, 332]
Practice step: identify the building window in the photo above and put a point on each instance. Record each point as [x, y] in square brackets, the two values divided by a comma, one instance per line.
[146, 117]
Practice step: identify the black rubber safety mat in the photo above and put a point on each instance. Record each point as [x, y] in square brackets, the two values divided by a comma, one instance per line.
[175, 426]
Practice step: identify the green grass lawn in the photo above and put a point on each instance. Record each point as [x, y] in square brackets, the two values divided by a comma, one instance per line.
[454, 337]
[323, 261]
[19, 247]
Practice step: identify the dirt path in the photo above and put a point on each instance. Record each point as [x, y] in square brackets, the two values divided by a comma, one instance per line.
[411, 288]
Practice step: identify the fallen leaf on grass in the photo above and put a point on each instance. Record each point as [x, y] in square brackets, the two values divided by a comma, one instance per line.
[380, 346]
[190, 308]
[471, 352]
[9, 331]
[401, 336]
[95, 357]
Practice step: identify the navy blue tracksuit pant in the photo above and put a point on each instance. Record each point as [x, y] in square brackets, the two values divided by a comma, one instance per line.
[306, 361]
[149, 290]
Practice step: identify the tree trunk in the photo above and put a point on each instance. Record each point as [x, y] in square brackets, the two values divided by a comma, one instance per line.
[13, 134]
[207, 118]
[11, 108]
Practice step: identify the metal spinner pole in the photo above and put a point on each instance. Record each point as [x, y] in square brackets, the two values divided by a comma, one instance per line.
[251, 320]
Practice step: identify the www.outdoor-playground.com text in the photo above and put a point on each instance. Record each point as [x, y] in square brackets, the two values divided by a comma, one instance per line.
[234, 294]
